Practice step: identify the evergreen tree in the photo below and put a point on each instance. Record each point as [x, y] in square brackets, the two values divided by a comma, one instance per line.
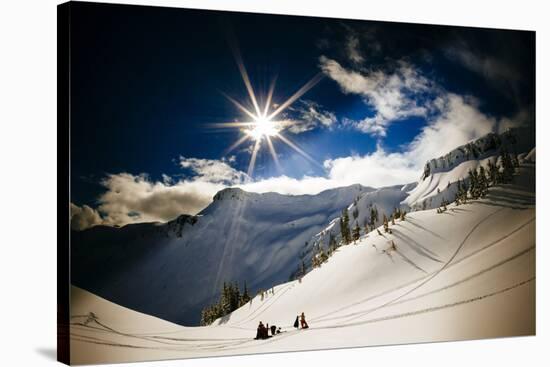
[385, 221]
[473, 179]
[235, 297]
[245, 298]
[225, 301]
[493, 173]
[332, 245]
[508, 168]
[483, 182]
[356, 232]
[344, 227]
[322, 256]
[355, 212]
[461, 193]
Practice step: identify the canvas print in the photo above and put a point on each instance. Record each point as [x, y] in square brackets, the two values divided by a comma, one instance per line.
[245, 183]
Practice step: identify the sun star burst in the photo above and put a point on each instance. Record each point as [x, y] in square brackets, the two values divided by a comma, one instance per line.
[263, 126]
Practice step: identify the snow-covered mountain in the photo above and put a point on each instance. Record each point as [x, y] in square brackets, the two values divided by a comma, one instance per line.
[436, 277]
[360, 211]
[440, 176]
[173, 270]
[438, 183]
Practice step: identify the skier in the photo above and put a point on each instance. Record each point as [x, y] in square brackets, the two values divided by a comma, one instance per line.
[303, 321]
[296, 323]
[273, 328]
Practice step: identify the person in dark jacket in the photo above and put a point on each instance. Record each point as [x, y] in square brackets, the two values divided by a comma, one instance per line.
[296, 323]
[303, 321]
[273, 328]
[261, 332]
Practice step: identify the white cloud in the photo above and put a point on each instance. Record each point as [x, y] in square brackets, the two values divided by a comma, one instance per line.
[135, 198]
[393, 95]
[352, 47]
[213, 170]
[84, 217]
[309, 116]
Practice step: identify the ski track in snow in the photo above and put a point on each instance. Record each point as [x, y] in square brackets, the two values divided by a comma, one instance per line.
[268, 304]
[444, 265]
[210, 344]
[446, 287]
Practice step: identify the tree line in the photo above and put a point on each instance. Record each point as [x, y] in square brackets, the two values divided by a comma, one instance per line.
[231, 298]
[480, 179]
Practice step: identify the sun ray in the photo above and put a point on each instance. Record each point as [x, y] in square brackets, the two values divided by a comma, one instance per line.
[240, 106]
[273, 153]
[244, 76]
[300, 92]
[237, 143]
[229, 125]
[298, 149]
[269, 95]
[253, 158]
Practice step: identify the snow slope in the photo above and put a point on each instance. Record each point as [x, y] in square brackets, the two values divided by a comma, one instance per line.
[173, 270]
[386, 200]
[440, 176]
[466, 273]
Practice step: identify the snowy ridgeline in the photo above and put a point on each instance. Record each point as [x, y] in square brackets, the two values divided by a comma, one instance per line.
[438, 184]
[174, 270]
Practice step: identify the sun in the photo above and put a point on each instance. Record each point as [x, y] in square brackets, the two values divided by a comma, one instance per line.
[263, 128]
[261, 125]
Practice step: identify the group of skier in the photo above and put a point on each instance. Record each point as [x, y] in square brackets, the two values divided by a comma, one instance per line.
[263, 331]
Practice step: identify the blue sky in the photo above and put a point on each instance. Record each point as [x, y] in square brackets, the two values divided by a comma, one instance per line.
[147, 82]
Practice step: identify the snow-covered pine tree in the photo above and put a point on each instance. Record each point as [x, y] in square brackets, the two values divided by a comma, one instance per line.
[473, 179]
[385, 221]
[508, 168]
[483, 182]
[493, 173]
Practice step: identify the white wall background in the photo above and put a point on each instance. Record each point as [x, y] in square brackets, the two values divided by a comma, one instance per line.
[28, 180]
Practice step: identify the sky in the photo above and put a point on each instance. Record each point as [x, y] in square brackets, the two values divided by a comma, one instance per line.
[150, 88]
